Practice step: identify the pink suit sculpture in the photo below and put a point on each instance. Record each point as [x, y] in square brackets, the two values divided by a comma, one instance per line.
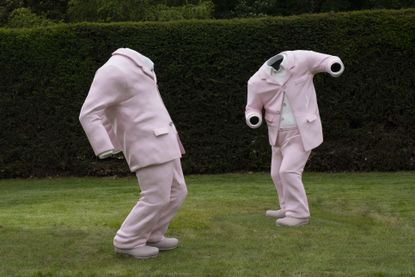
[283, 88]
[124, 112]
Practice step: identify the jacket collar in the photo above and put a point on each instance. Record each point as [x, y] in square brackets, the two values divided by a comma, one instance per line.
[138, 59]
[289, 64]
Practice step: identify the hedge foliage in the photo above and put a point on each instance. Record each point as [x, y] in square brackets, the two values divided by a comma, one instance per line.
[368, 114]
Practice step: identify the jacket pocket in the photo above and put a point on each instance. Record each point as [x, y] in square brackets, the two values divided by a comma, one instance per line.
[161, 131]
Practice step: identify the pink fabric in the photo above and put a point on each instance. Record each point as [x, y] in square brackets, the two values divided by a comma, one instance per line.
[287, 165]
[163, 190]
[264, 93]
[124, 111]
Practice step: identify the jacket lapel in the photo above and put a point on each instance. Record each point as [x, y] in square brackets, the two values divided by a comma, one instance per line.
[289, 64]
[265, 75]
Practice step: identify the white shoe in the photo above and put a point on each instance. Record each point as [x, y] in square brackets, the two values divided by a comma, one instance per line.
[141, 252]
[292, 221]
[275, 213]
[164, 244]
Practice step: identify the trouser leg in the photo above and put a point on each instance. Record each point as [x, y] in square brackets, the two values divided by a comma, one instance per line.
[177, 195]
[275, 174]
[155, 183]
[294, 158]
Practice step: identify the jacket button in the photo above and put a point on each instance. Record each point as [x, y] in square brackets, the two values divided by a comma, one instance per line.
[171, 123]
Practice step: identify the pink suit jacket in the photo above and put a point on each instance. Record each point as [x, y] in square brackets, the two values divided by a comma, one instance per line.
[264, 93]
[124, 112]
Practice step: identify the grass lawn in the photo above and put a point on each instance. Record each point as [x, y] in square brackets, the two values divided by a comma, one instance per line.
[362, 224]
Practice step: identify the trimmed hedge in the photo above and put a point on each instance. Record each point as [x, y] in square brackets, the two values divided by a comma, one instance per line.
[368, 114]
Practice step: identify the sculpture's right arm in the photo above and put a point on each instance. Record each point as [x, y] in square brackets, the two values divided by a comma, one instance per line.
[254, 106]
[107, 89]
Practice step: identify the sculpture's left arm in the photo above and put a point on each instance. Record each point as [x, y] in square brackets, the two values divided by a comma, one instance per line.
[318, 62]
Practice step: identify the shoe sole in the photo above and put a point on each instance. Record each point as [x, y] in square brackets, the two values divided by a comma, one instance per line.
[274, 216]
[163, 248]
[283, 225]
[125, 255]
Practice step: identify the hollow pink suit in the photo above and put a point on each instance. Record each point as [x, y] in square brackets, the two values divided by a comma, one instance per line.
[125, 112]
[290, 147]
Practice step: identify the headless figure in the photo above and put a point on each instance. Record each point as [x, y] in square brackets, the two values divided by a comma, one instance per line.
[289, 152]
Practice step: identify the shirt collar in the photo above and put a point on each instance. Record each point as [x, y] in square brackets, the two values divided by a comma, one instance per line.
[272, 71]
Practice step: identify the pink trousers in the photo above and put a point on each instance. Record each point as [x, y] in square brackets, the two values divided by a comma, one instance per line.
[163, 190]
[287, 165]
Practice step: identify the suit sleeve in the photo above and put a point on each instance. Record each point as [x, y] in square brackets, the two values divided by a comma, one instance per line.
[107, 89]
[254, 106]
[318, 62]
[111, 134]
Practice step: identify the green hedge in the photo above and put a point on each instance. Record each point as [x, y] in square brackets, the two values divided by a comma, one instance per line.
[368, 114]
